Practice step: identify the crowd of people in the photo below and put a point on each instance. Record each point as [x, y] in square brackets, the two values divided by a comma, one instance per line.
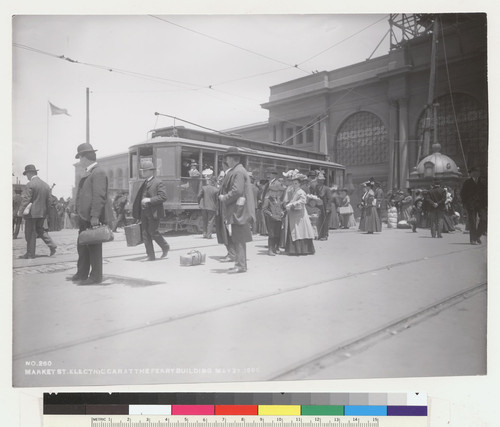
[441, 208]
[291, 208]
[60, 213]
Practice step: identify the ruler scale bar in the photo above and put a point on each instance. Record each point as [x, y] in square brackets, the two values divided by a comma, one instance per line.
[258, 421]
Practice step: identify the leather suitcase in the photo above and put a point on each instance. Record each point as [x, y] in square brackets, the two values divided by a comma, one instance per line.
[133, 234]
[193, 258]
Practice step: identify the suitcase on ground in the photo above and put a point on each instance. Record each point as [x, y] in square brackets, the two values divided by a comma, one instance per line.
[193, 258]
[133, 234]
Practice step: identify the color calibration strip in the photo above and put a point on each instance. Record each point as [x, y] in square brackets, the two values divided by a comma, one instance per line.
[237, 404]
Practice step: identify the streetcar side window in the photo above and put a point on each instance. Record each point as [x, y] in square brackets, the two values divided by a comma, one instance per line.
[190, 159]
[190, 174]
[208, 161]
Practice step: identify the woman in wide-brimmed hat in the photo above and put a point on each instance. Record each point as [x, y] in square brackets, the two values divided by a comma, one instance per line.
[299, 231]
[370, 221]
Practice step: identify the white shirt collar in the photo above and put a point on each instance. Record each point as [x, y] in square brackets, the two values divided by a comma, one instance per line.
[90, 167]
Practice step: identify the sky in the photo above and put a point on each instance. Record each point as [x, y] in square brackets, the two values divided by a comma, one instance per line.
[213, 70]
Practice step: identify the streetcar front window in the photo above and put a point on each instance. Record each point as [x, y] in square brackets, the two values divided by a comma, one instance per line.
[166, 161]
[133, 164]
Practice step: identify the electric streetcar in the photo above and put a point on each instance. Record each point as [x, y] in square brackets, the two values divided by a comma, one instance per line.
[181, 156]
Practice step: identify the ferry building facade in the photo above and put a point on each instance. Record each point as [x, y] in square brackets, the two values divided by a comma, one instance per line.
[370, 116]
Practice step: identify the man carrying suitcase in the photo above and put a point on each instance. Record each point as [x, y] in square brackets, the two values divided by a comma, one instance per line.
[148, 208]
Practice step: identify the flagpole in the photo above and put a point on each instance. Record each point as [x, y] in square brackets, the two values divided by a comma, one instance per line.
[47, 159]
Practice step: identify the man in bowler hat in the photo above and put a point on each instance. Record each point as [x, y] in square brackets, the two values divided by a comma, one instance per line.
[237, 207]
[474, 198]
[148, 208]
[90, 205]
[34, 207]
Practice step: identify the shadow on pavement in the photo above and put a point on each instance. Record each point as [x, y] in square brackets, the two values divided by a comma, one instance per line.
[220, 270]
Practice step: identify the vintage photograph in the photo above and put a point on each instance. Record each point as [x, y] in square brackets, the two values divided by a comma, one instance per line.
[222, 198]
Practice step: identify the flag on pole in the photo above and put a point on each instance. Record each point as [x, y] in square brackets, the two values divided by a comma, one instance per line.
[56, 110]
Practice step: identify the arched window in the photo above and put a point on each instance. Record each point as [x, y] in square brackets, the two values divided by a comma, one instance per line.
[362, 140]
[464, 116]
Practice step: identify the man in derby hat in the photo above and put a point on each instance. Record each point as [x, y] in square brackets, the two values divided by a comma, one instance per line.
[474, 195]
[435, 201]
[273, 212]
[90, 205]
[35, 203]
[272, 178]
[148, 208]
[207, 201]
[325, 195]
[237, 207]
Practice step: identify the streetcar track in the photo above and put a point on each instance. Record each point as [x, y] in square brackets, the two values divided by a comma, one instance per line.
[74, 257]
[346, 350]
[213, 309]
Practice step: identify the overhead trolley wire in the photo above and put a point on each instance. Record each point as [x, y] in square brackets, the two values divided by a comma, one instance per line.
[108, 68]
[343, 40]
[131, 73]
[230, 44]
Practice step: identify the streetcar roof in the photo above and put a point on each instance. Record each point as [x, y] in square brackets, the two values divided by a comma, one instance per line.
[222, 147]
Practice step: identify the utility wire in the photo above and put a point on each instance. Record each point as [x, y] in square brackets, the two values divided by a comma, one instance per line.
[108, 68]
[452, 102]
[249, 77]
[343, 40]
[230, 44]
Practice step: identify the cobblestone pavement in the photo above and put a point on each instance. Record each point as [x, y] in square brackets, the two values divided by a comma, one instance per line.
[64, 259]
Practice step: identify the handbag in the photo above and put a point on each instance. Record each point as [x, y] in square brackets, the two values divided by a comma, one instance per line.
[95, 235]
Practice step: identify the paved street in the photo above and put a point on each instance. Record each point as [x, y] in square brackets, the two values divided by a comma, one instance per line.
[391, 304]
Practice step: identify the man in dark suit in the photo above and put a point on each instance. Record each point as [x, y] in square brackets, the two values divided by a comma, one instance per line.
[207, 200]
[435, 202]
[90, 205]
[324, 193]
[148, 208]
[474, 198]
[35, 207]
[237, 206]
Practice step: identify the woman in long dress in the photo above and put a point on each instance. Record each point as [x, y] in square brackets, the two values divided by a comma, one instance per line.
[336, 200]
[371, 222]
[300, 233]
